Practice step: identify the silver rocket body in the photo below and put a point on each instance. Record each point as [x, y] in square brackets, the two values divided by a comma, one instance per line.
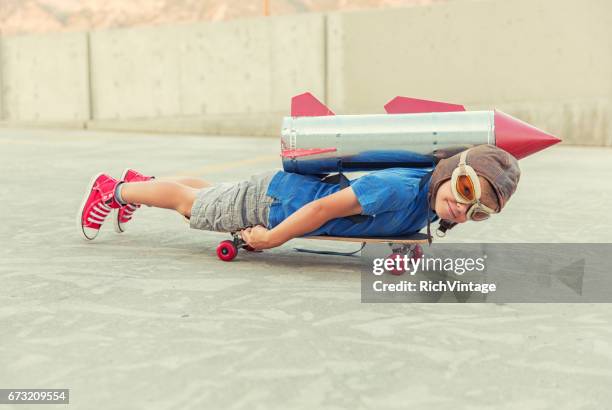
[333, 143]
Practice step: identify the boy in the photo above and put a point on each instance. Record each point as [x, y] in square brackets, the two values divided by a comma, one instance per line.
[275, 207]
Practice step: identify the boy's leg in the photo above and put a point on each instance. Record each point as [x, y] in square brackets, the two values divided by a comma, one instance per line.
[126, 212]
[192, 182]
[161, 194]
[104, 193]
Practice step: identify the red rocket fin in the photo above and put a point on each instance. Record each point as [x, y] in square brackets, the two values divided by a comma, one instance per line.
[405, 105]
[307, 105]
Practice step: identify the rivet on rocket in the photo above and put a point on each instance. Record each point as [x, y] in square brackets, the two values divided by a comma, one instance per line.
[414, 133]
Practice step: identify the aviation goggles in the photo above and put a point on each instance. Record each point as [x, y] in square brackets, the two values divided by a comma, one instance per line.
[466, 189]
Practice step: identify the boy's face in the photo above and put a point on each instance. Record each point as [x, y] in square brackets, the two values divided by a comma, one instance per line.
[448, 208]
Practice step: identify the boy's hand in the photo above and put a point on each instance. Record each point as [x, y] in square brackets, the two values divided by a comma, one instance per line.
[257, 237]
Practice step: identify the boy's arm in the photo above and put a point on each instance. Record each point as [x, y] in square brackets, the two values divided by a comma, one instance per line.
[306, 219]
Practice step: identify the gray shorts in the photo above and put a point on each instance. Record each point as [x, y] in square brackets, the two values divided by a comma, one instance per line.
[229, 207]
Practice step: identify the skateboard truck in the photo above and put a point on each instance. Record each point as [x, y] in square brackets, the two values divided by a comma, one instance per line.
[404, 249]
[228, 249]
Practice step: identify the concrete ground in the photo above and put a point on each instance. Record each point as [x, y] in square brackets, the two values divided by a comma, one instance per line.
[152, 320]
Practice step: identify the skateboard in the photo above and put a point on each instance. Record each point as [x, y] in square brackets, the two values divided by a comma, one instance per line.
[400, 245]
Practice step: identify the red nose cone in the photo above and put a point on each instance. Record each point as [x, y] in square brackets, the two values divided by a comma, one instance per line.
[519, 138]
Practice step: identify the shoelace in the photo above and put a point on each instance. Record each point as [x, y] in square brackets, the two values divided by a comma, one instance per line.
[128, 210]
[98, 213]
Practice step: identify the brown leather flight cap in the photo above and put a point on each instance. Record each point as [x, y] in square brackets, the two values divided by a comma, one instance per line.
[494, 164]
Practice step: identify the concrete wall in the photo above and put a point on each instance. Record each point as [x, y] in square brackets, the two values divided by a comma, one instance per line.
[45, 78]
[206, 70]
[548, 62]
[2, 116]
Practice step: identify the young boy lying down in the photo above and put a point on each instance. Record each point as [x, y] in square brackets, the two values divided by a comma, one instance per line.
[274, 207]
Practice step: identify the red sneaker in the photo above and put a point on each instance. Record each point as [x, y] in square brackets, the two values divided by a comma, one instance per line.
[125, 213]
[99, 201]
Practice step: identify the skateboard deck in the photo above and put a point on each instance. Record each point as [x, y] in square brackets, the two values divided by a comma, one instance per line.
[228, 249]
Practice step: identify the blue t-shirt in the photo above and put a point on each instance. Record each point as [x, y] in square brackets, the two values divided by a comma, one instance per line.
[391, 199]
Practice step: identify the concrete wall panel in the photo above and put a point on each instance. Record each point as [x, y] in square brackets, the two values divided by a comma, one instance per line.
[2, 115]
[297, 59]
[45, 77]
[134, 73]
[473, 52]
[226, 68]
[241, 66]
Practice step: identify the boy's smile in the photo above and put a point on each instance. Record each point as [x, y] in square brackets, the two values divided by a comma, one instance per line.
[450, 209]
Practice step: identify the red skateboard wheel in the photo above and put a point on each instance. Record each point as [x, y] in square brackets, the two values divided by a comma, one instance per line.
[417, 252]
[226, 251]
[397, 270]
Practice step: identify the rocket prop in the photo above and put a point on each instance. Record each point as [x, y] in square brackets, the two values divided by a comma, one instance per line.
[414, 133]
